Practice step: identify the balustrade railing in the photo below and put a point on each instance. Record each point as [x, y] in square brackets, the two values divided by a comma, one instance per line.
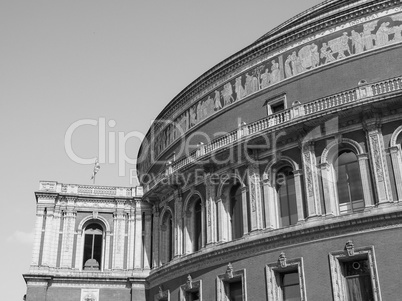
[90, 189]
[358, 94]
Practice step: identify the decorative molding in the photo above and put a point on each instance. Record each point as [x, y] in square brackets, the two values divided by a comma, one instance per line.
[273, 272]
[350, 253]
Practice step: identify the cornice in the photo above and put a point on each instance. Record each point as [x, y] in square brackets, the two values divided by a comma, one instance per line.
[324, 228]
[268, 44]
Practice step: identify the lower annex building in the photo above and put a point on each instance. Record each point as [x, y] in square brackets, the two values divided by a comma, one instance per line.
[276, 175]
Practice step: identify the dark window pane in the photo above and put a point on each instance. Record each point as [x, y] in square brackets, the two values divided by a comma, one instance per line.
[348, 178]
[197, 226]
[88, 247]
[236, 211]
[358, 280]
[290, 286]
[97, 248]
[235, 291]
[285, 185]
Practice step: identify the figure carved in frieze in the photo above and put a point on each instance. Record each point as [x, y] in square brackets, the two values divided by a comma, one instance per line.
[382, 34]
[340, 45]
[275, 72]
[193, 116]
[251, 84]
[265, 79]
[288, 69]
[217, 99]
[239, 90]
[357, 42]
[309, 56]
[368, 37]
[297, 66]
[397, 30]
[227, 94]
[326, 53]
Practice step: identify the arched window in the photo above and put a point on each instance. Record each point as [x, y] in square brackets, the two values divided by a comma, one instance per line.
[236, 211]
[197, 236]
[348, 182]
[286, 191]
[93, 245]
[166, 237]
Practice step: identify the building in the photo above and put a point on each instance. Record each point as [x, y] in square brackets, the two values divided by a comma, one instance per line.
[276, 175]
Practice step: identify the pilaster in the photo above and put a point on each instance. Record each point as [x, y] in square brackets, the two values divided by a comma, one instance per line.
[147, 239]
[210, 210]
[244, 199]
[328, 185]
[378, 161]
[271, 217]
[131, 239]
[138, 236]
[69, 217]
[119, 229]
[311, 180]
[178, 231]
[254, 189]
[38, 235]
[396, 160]
[299, 195]
[155, 255]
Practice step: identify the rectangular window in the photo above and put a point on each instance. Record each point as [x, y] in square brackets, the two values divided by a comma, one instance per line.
[235, 291]
[290, 286]
[276, 104]
[231, 286]
[354, 274]
[191, 290]
[285, 280]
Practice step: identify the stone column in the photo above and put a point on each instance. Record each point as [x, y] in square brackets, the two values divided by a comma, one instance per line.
[223, 221]
[366, 183]
[378, 161]
[244, 199]
[254, 188]
[311, 180]
[68, 239]
[178, 231]
[299, 195]
[156, 227]
[397, 167]
[119, 234]
[38, 235]
[271, 211]
[147, 239]
[328, 185]
[138, 236]
[210, 210]
[188, 230]
[106, 260]
[48, 237]
[131, 239]
[56, 236]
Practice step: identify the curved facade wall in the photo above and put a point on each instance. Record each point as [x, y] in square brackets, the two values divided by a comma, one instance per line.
[276, 175]
[292, 148]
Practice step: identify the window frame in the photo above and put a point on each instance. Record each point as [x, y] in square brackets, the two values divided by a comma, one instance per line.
[189, 287]
[274, 271]
[350, 253]
[102, 247]
[162, 295]
[223, 280]
[269, 103]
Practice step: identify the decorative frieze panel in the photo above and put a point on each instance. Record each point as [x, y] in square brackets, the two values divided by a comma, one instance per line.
[350, 39]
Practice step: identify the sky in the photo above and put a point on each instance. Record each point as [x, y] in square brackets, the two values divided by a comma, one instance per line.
[69, 67]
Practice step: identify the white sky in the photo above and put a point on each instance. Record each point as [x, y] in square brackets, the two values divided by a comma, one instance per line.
[64, 61]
